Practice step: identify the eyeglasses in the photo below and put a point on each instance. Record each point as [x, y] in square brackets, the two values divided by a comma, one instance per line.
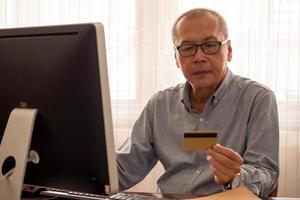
[212, 47]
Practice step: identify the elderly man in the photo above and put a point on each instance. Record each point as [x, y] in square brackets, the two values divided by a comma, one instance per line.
[243, 112]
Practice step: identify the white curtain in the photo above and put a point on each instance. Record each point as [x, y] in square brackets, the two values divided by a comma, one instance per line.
[265, 37]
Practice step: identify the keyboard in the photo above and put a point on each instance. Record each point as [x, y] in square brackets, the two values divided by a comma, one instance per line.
[131, 196]
[73, 195]
[86, 196]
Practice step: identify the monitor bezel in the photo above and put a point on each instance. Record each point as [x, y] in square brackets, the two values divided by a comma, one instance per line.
[106, 104]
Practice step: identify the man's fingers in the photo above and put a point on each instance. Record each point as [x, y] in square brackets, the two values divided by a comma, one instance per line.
[226, 161]
[228, 153]
[219, 177]
[229, 172]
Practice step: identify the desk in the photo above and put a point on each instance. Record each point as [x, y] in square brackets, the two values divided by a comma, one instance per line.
[235, 194]
[175, 196]
[280, 198]
[268, 198]
[185, 196]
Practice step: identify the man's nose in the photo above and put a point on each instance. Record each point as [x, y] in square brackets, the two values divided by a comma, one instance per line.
[199, 56]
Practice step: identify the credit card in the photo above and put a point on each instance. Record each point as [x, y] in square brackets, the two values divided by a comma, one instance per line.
[199, 140]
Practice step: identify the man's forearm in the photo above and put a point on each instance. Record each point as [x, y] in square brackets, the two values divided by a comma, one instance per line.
[261, 181]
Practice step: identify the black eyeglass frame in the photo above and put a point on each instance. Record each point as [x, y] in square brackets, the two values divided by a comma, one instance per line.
[195, 46]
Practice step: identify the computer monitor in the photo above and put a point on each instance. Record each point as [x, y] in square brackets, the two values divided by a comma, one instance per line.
[61, 71]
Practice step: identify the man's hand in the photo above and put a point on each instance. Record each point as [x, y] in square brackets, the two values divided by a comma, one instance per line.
[225, 163]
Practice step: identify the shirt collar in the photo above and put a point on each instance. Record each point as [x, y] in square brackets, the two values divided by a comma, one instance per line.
[185, 95]
[216, 97]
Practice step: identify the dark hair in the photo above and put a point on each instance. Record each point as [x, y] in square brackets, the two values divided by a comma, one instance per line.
[200, 12]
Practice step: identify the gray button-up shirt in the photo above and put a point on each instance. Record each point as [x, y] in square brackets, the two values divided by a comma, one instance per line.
[243, 112]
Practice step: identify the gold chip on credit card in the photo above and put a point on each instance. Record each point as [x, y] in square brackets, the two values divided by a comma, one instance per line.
[199, 140]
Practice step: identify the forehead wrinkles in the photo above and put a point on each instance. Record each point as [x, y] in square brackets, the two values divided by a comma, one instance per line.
[206, 26]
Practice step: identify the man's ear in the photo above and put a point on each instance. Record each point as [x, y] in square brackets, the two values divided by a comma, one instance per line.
[175, 56]
[229, 55]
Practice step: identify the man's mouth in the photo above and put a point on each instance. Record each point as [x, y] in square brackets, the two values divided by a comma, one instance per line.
[201, 72]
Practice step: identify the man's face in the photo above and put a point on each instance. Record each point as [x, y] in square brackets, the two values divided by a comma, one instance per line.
[202, 70]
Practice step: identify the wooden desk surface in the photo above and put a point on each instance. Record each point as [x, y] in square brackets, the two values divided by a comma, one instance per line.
[235, 194]
[281, 198]
[268, 198]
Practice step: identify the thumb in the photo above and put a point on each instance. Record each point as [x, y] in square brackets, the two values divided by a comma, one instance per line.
[217, 180]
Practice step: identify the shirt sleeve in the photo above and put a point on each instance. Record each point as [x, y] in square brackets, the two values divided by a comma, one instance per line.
[136, 157]
[260, 170]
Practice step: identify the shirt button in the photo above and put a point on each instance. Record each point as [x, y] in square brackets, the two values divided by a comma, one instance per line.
[201, 119]
[198, 171]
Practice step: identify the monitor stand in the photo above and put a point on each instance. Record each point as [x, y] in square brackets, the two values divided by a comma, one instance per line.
[14, 150]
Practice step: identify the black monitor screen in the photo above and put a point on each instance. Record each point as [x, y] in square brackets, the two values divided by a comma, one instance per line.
[61, 71]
